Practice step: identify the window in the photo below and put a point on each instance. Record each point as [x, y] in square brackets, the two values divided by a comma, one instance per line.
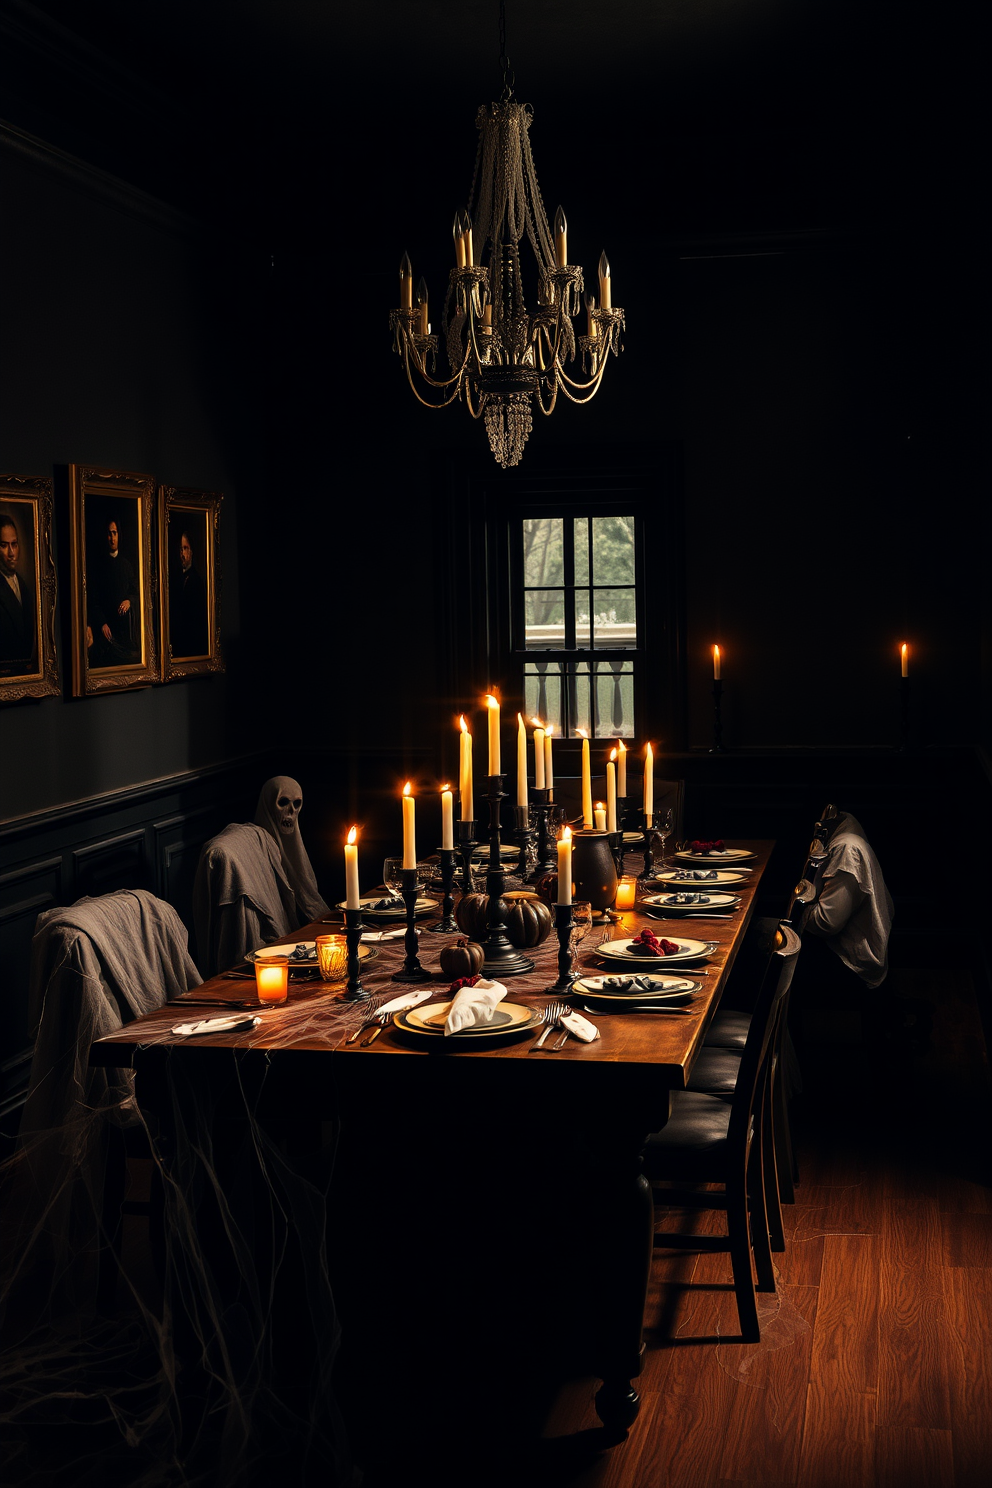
[576, 623]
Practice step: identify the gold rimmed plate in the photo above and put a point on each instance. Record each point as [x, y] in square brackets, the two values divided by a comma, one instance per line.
[721, 903]
[664, 990]
[422, 907]
[717, 859]
[307, 963]
[429, 1020]
[619, 950]
[724, 876]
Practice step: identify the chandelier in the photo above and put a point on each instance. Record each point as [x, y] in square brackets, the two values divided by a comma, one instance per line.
[505, 359]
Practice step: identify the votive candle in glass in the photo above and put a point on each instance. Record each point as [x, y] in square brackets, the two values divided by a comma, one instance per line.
[332, 956]
[272, 978]
[626, 892]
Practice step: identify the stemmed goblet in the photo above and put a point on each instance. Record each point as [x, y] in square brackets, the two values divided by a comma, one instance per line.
[664, 822]
[581, 925]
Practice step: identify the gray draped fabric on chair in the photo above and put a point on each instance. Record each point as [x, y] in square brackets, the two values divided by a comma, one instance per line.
[242, 898]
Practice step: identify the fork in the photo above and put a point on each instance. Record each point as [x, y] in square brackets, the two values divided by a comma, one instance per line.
[552, 1013]
[369, 1021]
[380, 1020]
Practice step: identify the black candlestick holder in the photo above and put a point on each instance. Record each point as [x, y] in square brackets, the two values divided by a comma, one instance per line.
[717, 720]
[446, 925]
[524, 834]
[501, 958]
[466, 847]
[648, 870]
[563, 927]
[354, 929]
[615, 839]
[411, 971]
[547, 857]
[904, 713]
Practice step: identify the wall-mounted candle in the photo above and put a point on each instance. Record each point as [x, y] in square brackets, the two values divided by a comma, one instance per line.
[648, 786]
[565, 866]
[447, 818]
[272, 978]
[549, 768]
[409, 829]
[521, 763]
[904, 658]
[586, 780]
[599, 816]
[561, 238]
[465, 787]
[605, 282]
[716, 663]
[351, 890]
[406, 283]
[492, 705]
[538, 756]
[621, 770]
[611, 793]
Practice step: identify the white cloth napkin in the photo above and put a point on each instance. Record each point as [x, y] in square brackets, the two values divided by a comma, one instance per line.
[579, 1027]
[385, 934]
[474, 1006]
[405, 1000]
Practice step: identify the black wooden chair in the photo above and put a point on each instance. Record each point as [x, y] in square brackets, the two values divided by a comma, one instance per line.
[709, 1140]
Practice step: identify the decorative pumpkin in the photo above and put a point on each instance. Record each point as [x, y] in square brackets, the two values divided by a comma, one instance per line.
[462, 959]
[472, 914]
[529, 922]
[547, 887]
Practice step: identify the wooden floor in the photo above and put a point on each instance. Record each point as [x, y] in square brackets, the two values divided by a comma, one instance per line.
[875, 1363]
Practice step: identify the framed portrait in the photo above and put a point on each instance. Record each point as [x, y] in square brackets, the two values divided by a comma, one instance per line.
[112, 588]
[189, 581]
[28, 665]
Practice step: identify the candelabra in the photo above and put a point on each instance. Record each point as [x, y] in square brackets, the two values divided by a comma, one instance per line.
[354, 929]
[547, 861]
[501, 958]
[411, 971]
[466, 847]
[446, 925]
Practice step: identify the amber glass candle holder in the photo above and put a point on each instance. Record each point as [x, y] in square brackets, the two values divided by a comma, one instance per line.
[271, 978]
[626, 892]
[332, 957]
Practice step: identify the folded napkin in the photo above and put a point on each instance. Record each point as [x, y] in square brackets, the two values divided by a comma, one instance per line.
[385, 934]
[687, 899]
[707, 847]
[474, 1006]
[405, 1000]
[579, 1027]
[390, 901]
[696, 874]
[631, 983]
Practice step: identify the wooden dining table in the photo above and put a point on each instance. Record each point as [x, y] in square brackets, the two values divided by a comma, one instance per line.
[601, 1099]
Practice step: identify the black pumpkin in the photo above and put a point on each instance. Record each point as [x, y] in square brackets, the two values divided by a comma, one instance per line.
[529, 922]
[462, 959]
[472, 914]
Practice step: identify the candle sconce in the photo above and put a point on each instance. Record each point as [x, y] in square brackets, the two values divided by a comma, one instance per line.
[717, 720]
[547, 861]
[501, 957]
[411, 971]
[354, 929]
[447, 924]
[466, 847]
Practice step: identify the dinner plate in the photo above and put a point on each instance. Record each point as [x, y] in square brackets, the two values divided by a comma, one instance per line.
[302, 963]
[429, 1019]
[507, 853]
[688, 950]
[629, 838]
[703, 885]
[665, 989]
[422, 907]
[215, 1025]
[714, 901]
[713, 859]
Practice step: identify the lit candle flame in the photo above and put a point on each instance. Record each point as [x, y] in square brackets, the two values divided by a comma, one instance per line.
[613, 754]
[491, 702]
[462, 724]
[549, 728]
[566, 834]
[445, 787]
[537, 723]
[600, 805]
[408, 789]
[352, 837]
[582, 733]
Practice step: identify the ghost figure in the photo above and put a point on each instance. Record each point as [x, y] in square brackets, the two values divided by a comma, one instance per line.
[279, 804]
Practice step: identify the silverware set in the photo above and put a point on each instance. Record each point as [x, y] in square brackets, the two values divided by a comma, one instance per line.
[553, 1014]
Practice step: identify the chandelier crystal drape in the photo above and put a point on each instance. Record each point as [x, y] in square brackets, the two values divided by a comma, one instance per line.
[505, 359]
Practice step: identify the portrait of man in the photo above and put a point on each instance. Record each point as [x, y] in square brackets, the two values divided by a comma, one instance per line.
[18, 619]
[113, 618]
[189, 630]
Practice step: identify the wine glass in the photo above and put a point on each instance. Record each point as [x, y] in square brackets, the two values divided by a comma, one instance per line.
[663, 824]
[581, 925]
[392, 876]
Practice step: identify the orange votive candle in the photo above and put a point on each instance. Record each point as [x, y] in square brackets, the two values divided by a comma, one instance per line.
[272, 978]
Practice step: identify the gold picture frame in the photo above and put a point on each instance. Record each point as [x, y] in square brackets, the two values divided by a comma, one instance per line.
[111, 580]
[189, 581]
[28, 590]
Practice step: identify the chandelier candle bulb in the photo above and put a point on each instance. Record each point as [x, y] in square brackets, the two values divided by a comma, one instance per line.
[549, 772]
[586, 781]
[904, 659]
[648, 786]
[447, 820]
[422, 305]
[456, 233]
[538, 758]
[599, 816]
[592, 329]
[469, 249]
[521, 763]
[717, 664]
[565, 867]
[605, 289]
[465, 791]
[352, 895]
[561, 238]
[611, 794]
[492, 705]
[621, 770]
[406, 283]
[409, 829]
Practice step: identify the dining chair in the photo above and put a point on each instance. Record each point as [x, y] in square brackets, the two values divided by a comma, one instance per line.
[710, 1141]
[242, 897]
[95, 965]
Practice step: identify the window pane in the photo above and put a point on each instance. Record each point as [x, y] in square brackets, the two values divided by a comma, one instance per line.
[542, 693]
[543, 551]
[615, 617]
[613, 550]
[582, 603]
[581, 538]
[544, 618]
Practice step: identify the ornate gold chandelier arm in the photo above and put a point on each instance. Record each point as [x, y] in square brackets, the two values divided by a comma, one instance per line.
[457, 379]
[554, 398]
[564, 380]
[475, 412]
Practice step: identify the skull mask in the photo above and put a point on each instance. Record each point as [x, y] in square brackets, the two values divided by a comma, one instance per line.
[287, 811]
